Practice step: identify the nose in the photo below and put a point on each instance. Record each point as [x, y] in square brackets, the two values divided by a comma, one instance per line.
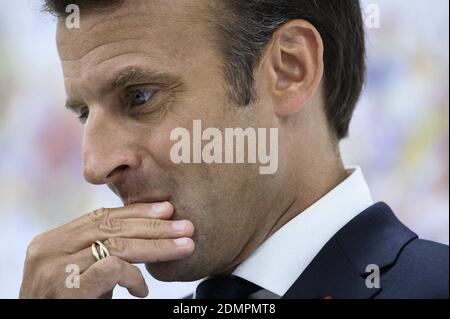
[107, 151]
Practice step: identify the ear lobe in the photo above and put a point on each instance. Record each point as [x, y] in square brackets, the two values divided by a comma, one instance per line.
[297, 64]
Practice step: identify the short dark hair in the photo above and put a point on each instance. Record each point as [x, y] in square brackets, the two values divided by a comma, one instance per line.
[58, 7]
[246, 26]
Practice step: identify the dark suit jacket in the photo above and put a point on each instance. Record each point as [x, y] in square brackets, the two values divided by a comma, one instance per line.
[409, 267]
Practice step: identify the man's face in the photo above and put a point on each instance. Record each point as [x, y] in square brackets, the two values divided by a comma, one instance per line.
[143, 70]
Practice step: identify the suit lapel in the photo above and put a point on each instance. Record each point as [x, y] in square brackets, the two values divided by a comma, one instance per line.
[375, 237]
[330, 275]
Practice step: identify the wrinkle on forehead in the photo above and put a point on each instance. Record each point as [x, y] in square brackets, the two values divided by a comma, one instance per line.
[167, 21]
[167, 36]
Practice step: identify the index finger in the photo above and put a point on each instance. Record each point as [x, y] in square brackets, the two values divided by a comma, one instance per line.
[162, 210]
[69, 235]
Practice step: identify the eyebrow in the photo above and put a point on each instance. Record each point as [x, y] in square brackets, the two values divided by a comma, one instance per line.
[130, 75]
[134, 75]
[74, 105]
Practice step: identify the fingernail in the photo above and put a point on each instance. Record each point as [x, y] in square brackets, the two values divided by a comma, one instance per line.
[181, 242]
[159, 209]
[179, 225]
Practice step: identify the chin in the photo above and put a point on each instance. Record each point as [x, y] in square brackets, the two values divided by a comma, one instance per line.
[180, 270]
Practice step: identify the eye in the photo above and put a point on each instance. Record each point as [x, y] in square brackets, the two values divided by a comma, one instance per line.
[83, 114]
[138, 97]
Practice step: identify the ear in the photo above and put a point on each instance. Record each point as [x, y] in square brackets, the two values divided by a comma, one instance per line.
[295, 63]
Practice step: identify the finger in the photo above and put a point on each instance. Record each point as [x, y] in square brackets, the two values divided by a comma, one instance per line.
[135, 228]
[138, 251]
[162, 210]
[103, 223]
[67, 239]
[150, 251]
[103, 276]
[142, 229]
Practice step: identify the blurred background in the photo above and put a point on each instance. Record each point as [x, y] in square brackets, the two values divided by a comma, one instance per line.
[399, 135]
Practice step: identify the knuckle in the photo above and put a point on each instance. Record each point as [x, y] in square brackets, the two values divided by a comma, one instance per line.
[96, 276]
[97, 272]
[36, 249]
[154, 226]
[98, 214]
[157, 244]
[110, 225]
[113, 265]
[116, 245]
[105, 270]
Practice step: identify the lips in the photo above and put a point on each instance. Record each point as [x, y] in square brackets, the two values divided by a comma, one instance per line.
[134, 191]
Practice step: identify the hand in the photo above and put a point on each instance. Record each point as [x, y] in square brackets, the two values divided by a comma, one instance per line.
[139, 233]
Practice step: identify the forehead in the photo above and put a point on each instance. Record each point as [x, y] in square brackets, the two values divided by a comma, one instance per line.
[163, 35]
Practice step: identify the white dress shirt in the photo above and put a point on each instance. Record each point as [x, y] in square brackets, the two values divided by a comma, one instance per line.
[280, 260]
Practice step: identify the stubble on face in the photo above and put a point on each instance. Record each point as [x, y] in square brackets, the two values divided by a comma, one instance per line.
[228, 204]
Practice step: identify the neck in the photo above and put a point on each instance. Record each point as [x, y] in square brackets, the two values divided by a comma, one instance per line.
[318, 186]
[321, 176]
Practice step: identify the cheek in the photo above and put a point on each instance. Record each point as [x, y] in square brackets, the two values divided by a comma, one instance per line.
[156, 144]
[159, 145]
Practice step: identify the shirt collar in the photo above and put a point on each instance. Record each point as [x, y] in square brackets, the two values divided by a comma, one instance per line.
[278, 262]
